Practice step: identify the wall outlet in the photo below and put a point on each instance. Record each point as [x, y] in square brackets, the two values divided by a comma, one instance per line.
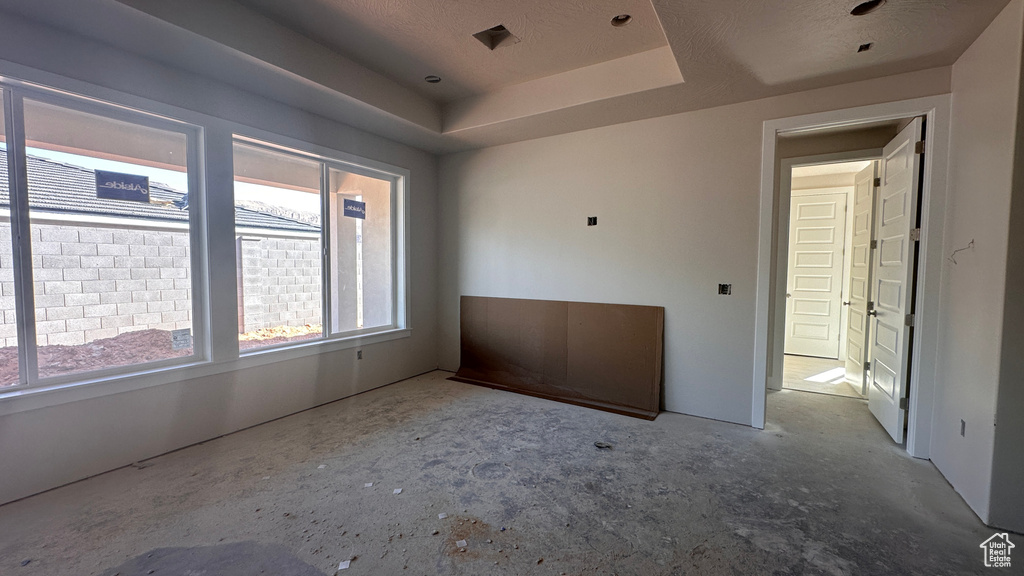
[725, 289]
[359, 354]
[963, 428]
[591, 220]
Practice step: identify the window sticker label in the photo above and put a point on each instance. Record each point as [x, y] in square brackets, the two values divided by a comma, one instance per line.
[355, 209]
[117, 186]
[181, 339]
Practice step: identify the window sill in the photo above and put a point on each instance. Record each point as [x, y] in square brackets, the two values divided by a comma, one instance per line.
[25, 399]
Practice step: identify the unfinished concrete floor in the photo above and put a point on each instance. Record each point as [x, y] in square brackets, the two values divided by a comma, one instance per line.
[821, 491]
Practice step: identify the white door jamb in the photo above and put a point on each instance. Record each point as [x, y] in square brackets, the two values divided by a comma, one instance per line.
[936, 109]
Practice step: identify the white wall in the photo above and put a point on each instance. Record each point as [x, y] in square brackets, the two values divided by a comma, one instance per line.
[677, 202]
[62, 441]
[985, 87]
[1007, 509]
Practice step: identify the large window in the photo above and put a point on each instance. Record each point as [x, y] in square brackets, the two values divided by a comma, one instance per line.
[101, 194]
[105, 244]
[316, 247]
[9, 361]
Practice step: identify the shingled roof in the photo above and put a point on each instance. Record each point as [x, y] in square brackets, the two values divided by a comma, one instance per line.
[56, 187]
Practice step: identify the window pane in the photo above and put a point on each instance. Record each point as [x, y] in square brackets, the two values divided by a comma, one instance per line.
[8, 323]
[277, 229]
[110, 237]
[361, 274]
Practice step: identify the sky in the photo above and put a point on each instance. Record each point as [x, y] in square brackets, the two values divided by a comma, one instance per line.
[291, 199]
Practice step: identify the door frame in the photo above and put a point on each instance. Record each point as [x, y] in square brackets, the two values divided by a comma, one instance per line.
[936, 110]
[778, 324]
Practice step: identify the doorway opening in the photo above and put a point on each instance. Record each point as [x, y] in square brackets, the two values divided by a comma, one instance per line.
[901, 297]
[878, 279]
[822, 208]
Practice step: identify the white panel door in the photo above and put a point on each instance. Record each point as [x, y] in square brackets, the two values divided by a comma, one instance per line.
[858, 290]
[892, 279]
[817, 231]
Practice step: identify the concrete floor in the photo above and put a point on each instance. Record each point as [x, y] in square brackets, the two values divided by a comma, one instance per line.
[803, 373]
[821, 491]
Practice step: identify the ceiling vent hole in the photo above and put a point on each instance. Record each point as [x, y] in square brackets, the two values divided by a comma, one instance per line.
[496, 37]
[865, 47]
[621, 20]
[433, 79]
[867, 7]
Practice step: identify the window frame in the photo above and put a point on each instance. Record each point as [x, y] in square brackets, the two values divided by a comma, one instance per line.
[15, 93]
[214, 151]
[333, 159]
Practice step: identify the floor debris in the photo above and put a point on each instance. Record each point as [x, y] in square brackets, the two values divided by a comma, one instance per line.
[604, 445]
[344, 564]
[460, 543]
[368, 485]
[442, 516]
[397, 491]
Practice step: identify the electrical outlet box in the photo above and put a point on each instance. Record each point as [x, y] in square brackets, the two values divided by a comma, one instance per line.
[725, 289]
[591, 220]
[359, 354]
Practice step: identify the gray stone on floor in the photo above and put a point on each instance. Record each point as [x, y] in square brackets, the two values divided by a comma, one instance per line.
[822, 490]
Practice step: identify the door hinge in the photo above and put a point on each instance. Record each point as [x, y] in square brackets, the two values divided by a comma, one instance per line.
[904, 403]
[878, 182]
[874, 244]
[909, 320]
[915, 235]
[867, 365]
[919, 147]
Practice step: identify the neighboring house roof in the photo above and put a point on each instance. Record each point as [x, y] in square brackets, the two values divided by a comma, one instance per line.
[63, 188]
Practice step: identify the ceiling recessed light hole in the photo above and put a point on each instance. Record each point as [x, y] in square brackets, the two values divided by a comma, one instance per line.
[867, 7]
[433, 79]
[865, 47]
[496, 37]
[621, 20]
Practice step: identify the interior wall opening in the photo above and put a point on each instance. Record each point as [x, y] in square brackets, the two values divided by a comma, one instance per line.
[818, 324]
[846, 264]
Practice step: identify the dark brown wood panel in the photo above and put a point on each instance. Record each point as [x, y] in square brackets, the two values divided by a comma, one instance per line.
[605, 356]
[615, 353]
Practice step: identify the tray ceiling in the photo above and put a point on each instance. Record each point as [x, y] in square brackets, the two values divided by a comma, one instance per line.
[362, 62]
[408, 40]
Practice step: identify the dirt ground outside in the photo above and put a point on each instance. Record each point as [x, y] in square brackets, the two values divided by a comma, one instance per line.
[132, 348]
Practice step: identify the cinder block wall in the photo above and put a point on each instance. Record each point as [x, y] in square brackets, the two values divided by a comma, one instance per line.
[281, 282]
[94, 282]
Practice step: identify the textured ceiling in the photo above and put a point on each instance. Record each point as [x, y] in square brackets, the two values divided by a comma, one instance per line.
[361, 62]
[408, 39]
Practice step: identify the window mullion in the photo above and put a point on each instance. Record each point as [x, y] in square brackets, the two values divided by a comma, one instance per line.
[325, 251]
[24, 295]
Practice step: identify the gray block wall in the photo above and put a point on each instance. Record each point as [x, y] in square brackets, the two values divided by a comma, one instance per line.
[281, 282]
[94, 282]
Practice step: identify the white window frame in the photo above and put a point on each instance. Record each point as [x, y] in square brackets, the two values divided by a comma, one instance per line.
[15, 93]
[333, 159]
[215, 165]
